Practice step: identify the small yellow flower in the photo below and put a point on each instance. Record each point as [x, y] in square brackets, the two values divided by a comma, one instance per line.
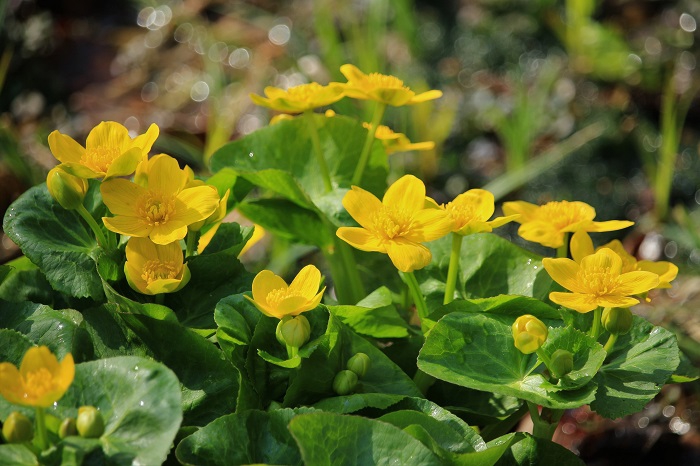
[109, 151]
[158, 205]
[382, 88]
[548, 224]
[397, 142]
[40, 381]
[582, 246]
[154, 269]
[396, 225]
[529, 333]
[597, 281]
[471, 211]
[300, 98]
[274, 298]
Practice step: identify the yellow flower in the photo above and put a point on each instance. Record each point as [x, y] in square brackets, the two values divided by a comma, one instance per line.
[529, 333]
[274, 298]
[40, 381]
[154, 269]
[548, 224]
[597, 281]
[300, 98]
[158, 205]
[109, 151]
[397, 142]
[382, 88]
[471, 211]
[582, 246]
[397, 225]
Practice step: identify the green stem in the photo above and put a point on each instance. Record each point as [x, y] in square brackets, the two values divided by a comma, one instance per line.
[563, 250]
[346, 275]
[595, 328]
[191, 237]
[292, 351]
[316, 143]
[367, 147]
[410, 280]
[423, 381]
[453, 268]
[41, 433]
[610, 343]
[545, 424]
[93, 226]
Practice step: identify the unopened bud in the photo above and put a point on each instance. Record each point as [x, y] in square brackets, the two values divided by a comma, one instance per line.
[294, 331]
[67, 428]
[359, 364]
[529, 333]
[617, 320]
[90, 422]
[17, 428]
[344, 382]
[67, 189]
[562, 363]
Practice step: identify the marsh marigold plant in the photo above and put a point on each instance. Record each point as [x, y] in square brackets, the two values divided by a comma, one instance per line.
[109, 151]
[274, 298]
[40, 380]
[471, 211]
[154, 269]
[550, 223]
[382, 88]
[299, 99]
[396, 225]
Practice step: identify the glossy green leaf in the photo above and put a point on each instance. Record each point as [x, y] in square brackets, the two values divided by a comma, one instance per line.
[588, 355]
[526, 450]
[17, 455]
[353, 440]
[375, 316]
[640, 364]
[477, 351]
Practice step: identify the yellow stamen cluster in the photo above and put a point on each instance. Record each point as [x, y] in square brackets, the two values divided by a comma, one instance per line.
[157, 209]
[304, 92]
[564, 213]
[158, 270]
[461, 213]
[275, 297]
[599, 280]
[99, 158]
[378, 81]
[390, 222]
[38, 382]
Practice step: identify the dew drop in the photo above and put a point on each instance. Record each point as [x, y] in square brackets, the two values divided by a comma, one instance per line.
[250, 155]
[136, 368]
[141, 403]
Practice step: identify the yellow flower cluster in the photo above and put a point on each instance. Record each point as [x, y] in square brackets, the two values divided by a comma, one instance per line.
[156, 209]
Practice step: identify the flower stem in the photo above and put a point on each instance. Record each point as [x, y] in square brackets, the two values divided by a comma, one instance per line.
[346, 275]
[316, 143]
[563, 250]
[453, 268]
[292, 351]
[595, 328]
[410, 279]
[191, 236]
[367, 147]
[544, 424]
[101, 240]
[42, 435]
[610, 343]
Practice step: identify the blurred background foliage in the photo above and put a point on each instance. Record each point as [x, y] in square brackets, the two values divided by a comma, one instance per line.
[591, 100]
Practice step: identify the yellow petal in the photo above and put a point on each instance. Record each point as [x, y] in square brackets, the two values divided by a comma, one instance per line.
[133, 277]
[565, 272]
[361, 205]
[526, 210]
[108, 134]
[408, 256]
[429, 225]
[406, 194]
[122, 197]
[64, 377]
[425, 96]
[616, 301]
[264, 283]
[610, 225]
[352, 73]
[480, 200]
[145, 141]
[129, 226]
[578, 302]
[169, 232]
[291, 306]
[125, 164]
[262, 307]
[361, 239]
[604, 259]
[540, 232]
[38, 357]
[666, 271]
[64, 148]
[195, 204]
[395, 97]
[165, 175]
[306, 282]
[163, 285]
[500, 221]
[633, 283]
[80, 170]
[581, 245]
[11, 387]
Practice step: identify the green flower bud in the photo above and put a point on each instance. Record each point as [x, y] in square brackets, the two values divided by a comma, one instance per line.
[617, 320]
[278, 330]
[529, 333]
[67, 428]
[359, 364]
[67, 189]
[90, 422]
[17, 428]
[344, 382]
[295, 331]
[562, 363]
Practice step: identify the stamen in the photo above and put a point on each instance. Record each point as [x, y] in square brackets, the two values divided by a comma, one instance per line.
[158, 270]
[599, 280]
[304, 92]
[377, 80]
[99, 158]
[563, 213]
[38, 383]
[389, 222]
[275, 297]
[157, 209]
[462, 214]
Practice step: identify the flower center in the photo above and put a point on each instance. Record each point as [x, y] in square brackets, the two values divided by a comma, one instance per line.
[38, 383]
[99, 159]
[390, 222]
[561, 214]
[304, 92]
[275, 297]
[462, 214]
[382, 81]
[160, 270]
[599, 280]
[157, 209]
